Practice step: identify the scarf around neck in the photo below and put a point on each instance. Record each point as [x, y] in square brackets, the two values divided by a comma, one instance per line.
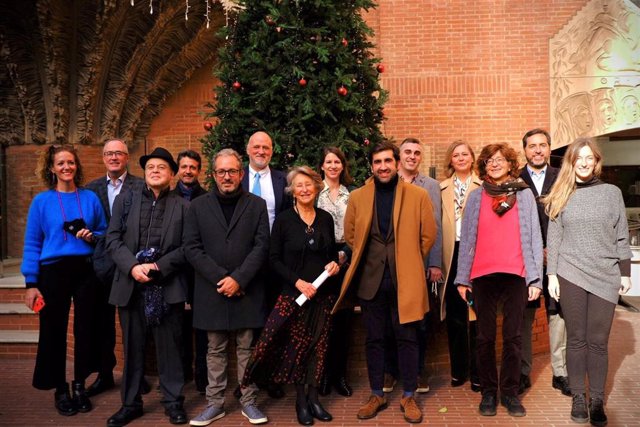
[503, 195]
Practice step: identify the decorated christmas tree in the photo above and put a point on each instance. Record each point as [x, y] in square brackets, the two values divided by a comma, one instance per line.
[303, 71]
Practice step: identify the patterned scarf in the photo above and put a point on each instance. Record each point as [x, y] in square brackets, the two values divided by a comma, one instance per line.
[504, 195]
[460, 192]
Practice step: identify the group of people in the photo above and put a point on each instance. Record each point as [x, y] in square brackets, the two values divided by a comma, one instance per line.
[277, 261]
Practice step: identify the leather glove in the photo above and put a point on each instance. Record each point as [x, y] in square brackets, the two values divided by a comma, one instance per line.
[625, 285]
[554, 287]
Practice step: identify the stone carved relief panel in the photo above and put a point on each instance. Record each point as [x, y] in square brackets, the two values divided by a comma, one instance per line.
[594, 69]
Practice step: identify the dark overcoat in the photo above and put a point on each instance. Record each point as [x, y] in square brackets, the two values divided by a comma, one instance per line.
[123, 243]
[216, 250]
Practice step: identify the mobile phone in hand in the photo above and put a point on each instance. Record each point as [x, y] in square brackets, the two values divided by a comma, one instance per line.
[469, 296]
[38, 304]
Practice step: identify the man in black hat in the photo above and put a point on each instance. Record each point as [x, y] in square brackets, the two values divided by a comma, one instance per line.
[149, 286]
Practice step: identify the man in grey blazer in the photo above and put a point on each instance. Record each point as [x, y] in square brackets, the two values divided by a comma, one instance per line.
[227, 243]
[115, 155]
[149, 285]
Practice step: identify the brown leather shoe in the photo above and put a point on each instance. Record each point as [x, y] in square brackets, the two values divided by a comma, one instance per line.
[412, 414]
[372, 407]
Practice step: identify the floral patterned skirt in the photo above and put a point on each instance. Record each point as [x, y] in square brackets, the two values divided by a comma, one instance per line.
[293, 345]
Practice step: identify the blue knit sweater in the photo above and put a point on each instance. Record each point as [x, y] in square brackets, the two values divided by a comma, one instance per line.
[45, 241]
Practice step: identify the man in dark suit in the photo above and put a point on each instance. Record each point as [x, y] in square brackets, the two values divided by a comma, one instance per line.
[540, 176]
[227, 243]
[115, 156]
[261, 180]
[188, 187]
[149, 286]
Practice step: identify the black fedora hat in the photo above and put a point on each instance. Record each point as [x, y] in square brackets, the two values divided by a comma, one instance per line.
[160, 153]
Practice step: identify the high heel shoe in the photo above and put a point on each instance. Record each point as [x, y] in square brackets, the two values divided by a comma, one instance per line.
[304, 415]
[319, 412]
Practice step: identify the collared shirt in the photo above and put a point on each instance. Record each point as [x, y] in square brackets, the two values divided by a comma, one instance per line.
[537, 178]
[337, 209]
[266, 190]
[114, 188]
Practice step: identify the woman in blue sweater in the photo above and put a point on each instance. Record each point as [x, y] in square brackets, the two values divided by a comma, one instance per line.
[58, 244]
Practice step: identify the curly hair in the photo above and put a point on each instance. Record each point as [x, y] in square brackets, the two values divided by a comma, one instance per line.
[509, 154]
[45, 164]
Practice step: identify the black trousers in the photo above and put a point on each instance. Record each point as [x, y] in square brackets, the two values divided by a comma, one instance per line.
[488, 292]
[70, 278]
[168, 339]
[195, 344]
[461, 333]
[339, 345]
[104, 358]
[377, 313]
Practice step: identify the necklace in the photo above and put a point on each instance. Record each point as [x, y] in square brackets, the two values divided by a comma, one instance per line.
[309, 229]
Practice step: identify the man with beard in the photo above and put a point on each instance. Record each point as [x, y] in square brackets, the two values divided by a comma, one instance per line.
[389, 226]
[227, 243]
[540, 176]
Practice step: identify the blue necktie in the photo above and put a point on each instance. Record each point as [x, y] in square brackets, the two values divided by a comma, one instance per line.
[256, 185]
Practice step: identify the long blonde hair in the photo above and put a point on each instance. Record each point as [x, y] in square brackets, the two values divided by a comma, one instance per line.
[565, 184]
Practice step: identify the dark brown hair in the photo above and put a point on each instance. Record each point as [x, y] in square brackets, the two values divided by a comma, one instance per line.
[345, 177]
[45, 164]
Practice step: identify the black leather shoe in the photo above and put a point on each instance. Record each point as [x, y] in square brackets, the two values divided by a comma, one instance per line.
[304, 416]
[513, 405]
[475, 387]
[525, 383]
[324, 388]
[80, 398]
[145, 387]
[319, 412]
[562, 384]
[488, 405]
[176, 414]
[102, 383]
[64, 404]
[124, 416]
[455, 382]
[342, 387]
[597, 415]
[275, 391]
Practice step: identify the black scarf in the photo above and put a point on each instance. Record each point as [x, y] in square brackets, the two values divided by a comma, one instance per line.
[503, 195]
[594, 180]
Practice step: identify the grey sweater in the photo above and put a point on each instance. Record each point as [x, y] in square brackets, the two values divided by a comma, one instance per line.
[589, 238]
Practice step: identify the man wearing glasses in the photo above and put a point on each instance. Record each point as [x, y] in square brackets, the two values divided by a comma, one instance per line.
[115, 156]
[226, 240]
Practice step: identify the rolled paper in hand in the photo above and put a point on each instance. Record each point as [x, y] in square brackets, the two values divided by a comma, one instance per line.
[316, 284]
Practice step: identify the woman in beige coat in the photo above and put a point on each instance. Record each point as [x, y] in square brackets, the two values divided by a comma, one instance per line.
[461, 329]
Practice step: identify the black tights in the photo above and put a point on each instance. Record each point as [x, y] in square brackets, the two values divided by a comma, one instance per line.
[301, 396]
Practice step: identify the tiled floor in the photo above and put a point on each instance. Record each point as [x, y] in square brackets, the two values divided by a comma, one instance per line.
[20, 404]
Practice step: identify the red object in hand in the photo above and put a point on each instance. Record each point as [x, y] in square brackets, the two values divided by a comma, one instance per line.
[380, 68]
[236, 86]
[302, 82]
[38, 304]
[342, 91]
[208, 126]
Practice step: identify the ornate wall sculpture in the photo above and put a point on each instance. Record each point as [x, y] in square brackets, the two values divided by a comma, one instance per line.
[594, 71]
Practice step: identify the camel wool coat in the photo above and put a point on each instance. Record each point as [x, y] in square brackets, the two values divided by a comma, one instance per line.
[447, 192]
[415, 232]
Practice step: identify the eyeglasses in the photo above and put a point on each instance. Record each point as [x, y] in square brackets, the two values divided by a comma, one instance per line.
[498, 161]
[220, 173]
[114, 153]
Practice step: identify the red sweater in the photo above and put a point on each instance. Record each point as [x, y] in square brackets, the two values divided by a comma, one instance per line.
[498, 248]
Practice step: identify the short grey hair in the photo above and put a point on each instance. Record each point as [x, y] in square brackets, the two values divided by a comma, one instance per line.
[228, 152]
[307, 171]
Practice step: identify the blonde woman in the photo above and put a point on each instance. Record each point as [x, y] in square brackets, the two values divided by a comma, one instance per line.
[588, 264]
[461, 180]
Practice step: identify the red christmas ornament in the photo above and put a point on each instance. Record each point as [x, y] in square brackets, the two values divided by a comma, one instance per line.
[207, 126]
[344, 42]
[366, 141]
[269, 20]
[342, 91]
[380, 68]
[302, 82]
[236, 86]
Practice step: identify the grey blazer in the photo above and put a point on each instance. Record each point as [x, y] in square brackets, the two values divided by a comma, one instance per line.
[434, 259]
[530, 237]
[122, 245]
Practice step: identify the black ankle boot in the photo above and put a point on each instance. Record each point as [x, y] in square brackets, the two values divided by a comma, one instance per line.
[63, 402]
[80, 398]
[324, 388]
[596, 412]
